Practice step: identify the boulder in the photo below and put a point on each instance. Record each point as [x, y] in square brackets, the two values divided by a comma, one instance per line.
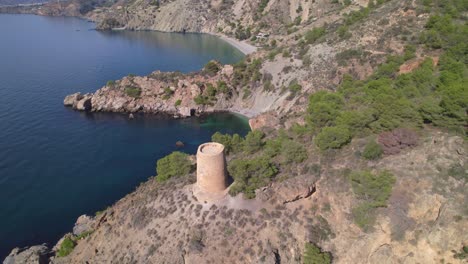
[194, 90]
[30, 255]
[84, 104]
[72, 99]
[83, 224]
[301, 193]
[185, 111]
[227, 70]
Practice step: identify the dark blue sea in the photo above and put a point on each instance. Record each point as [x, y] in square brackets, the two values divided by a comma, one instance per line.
[57, 164]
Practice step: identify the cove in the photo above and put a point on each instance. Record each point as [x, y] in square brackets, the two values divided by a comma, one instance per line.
[57, 164]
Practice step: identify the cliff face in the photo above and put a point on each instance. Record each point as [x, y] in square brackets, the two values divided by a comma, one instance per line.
[288, 66]
[177, 95]
[164, 223]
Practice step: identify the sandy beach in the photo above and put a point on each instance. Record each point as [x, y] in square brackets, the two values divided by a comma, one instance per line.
[244, 47]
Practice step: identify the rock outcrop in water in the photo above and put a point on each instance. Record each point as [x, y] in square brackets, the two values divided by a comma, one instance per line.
[160, 93]
[175, 94]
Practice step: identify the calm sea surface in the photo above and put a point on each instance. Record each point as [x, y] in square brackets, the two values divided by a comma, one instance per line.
[55, 163]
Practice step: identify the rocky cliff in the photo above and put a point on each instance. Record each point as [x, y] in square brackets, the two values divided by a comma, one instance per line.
[164, 223]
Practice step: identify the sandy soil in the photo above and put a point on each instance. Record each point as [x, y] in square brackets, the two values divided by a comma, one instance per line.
[242, 46]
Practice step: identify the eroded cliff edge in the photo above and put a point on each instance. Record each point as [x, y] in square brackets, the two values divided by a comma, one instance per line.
[164, 223]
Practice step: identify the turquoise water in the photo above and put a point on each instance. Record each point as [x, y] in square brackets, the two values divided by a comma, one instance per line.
[55, 163]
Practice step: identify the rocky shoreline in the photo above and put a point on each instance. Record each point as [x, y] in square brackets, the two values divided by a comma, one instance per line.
[165, 94]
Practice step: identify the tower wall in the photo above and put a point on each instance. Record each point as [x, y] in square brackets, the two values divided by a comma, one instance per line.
[211, 168]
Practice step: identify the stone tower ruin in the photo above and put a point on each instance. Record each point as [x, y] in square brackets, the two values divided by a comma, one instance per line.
[211, 172]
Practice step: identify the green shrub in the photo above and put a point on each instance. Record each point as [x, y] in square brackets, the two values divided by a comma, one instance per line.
[462, 254]
[210, 90]
[201, 100]
[131, 91]
[314, 255]
[372, 151]
[373, 190]
[110, 83]
[168, 92]
[294, 87]
[246, 73]
[293, 152]
[364, 215]
[314, 34]
[232, 144]
[211, 68]
[84, 235]
[178, 102]
[174, 164]
[222, 87]
[324, 108]
[253, 141]
[67, 246]
[332, 138]
[250, 174]
[458, 172]
[343, 32]
[355, 16]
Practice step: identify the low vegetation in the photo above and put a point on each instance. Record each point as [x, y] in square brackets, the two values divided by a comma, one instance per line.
[131, 91]
[175, 164]
[388, 100]
[67, 246]
[314, 255]
[372, 151]
[211, 68]
[373, 191]
[69, 243]
[250, 174]
[314, 34]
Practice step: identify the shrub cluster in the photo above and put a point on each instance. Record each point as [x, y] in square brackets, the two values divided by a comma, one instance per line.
[69, 243]
[131, 91]
[67, 246]
[174, 164]
[373, 190]
[250, 174]
[314, 255]
[211, 68]
[388, 100]
[247, 72]
[372, 151]
[314, 34]
[252, 143]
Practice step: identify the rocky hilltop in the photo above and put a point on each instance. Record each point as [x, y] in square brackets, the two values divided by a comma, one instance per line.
[164, 223]
[358, 154]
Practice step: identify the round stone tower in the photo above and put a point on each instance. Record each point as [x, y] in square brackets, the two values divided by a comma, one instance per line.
[211, 172]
